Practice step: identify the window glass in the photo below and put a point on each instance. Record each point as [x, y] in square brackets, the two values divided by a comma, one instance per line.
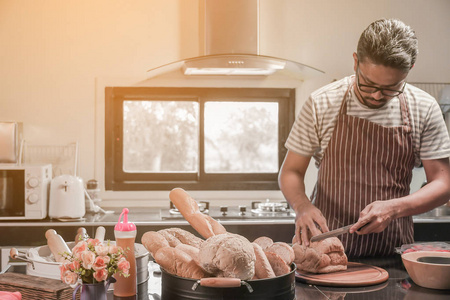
[160, 136]
[241, 137]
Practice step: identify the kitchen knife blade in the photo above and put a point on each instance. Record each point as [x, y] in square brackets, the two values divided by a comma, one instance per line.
[331, 233]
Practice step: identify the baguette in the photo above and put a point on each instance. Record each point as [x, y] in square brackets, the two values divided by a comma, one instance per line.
[177, 262]
[188, 207]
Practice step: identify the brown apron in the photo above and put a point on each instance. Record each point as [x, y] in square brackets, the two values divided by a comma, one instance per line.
[365, 162]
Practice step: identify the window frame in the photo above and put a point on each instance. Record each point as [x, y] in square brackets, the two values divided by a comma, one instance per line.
[118, 180]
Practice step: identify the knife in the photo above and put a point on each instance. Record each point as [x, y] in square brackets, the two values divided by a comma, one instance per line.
[331, 233]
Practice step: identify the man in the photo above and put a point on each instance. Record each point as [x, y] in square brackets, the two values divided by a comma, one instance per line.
[366, 133]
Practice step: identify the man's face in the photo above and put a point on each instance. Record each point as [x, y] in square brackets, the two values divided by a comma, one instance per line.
[376, 84]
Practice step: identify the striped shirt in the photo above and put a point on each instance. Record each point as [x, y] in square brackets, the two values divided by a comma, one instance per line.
[315, 123]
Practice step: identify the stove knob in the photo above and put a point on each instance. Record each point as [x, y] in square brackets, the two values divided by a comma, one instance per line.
[242, 209]
[224, 210]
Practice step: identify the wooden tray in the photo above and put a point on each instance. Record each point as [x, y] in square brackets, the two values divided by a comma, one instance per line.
[357, 274]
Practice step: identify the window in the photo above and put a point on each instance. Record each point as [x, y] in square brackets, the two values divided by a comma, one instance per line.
[196, 138]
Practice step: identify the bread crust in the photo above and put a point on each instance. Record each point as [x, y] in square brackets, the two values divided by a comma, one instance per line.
[188, 207]
[279, 266]
[263, 269]
[321, 257]
[184, 236]
[228, 255]
[264, 242]
[153, 241]
[284, 250]
[177, 262]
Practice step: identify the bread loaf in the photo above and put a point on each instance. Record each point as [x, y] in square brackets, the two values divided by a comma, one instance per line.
[283, 250]
[188, 207]
[184, 236]
[153, 241]
[279, 266]
[173, 241]
[321, 257]
[190, 250]
[177, 262]
[263, 269]
[264, 242]
[228, 255]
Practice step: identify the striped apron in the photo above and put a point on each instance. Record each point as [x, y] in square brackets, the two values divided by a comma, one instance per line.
[365, 162]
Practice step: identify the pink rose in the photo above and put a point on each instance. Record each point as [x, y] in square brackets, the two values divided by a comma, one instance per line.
[123, 265]
[69, 277]
[75, 265]
[63, 268]
[113, 249]
[101, 250]
[79, 248]
[93, 242]
[101, 274]
[101, 262]
[87, 259]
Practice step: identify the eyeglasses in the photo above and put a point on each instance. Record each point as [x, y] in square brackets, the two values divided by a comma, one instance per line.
[373, 89]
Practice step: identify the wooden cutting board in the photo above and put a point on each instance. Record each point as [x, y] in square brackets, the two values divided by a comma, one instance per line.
[357, 274]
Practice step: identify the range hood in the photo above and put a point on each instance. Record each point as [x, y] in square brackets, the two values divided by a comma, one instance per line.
[230, 35]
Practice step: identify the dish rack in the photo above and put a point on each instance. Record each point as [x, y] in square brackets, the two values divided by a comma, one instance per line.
[64, 158]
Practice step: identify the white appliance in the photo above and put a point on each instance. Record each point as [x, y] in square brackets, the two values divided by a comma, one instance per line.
[67, 198]
[24, 191]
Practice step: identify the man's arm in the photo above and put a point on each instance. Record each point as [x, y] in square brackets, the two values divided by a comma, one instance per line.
[436, 192]
[292, 184]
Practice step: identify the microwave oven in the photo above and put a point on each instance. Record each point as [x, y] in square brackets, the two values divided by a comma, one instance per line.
[24, 191]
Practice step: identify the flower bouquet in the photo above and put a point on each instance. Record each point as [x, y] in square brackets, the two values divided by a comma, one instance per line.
[93, 262]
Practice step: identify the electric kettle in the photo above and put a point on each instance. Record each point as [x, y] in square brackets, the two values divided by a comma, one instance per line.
[66, 198]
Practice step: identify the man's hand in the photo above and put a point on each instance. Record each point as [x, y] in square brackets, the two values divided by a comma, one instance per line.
[375, 217]
[309, 222]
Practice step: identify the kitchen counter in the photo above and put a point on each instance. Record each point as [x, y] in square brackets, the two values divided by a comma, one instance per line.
[398, 286]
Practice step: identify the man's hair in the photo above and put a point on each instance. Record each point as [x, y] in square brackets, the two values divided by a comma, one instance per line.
[389, 42]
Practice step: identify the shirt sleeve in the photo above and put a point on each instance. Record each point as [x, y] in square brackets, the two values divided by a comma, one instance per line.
[303, 138]
[434, 140]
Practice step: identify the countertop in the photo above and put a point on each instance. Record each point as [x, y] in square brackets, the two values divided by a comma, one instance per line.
[398, 286]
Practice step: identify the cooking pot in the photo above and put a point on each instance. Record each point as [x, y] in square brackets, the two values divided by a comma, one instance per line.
[40, 264]
[179, 288]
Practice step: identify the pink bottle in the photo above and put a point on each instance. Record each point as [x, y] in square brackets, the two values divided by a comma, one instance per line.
[125, 234]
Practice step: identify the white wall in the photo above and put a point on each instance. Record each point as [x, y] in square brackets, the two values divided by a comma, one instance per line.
[54, 53]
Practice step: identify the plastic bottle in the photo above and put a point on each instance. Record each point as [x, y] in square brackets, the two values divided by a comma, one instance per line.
[125, 235]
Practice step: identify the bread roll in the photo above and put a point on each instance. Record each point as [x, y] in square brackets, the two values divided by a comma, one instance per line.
[228, 255]
[263, 269]
[264, 242]
[188, 207]
[184, 236]
[279, 266]
[153, 241]
[283, 250]
[177, 262]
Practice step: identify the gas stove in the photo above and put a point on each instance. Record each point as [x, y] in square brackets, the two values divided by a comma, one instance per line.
[258, 210]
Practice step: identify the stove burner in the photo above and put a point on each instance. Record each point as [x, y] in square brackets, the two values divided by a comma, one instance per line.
[269, 207]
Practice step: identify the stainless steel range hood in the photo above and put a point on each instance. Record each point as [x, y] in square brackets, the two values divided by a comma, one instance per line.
[230, 35]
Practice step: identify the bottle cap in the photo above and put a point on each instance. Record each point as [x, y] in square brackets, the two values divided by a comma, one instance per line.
[125, 225]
